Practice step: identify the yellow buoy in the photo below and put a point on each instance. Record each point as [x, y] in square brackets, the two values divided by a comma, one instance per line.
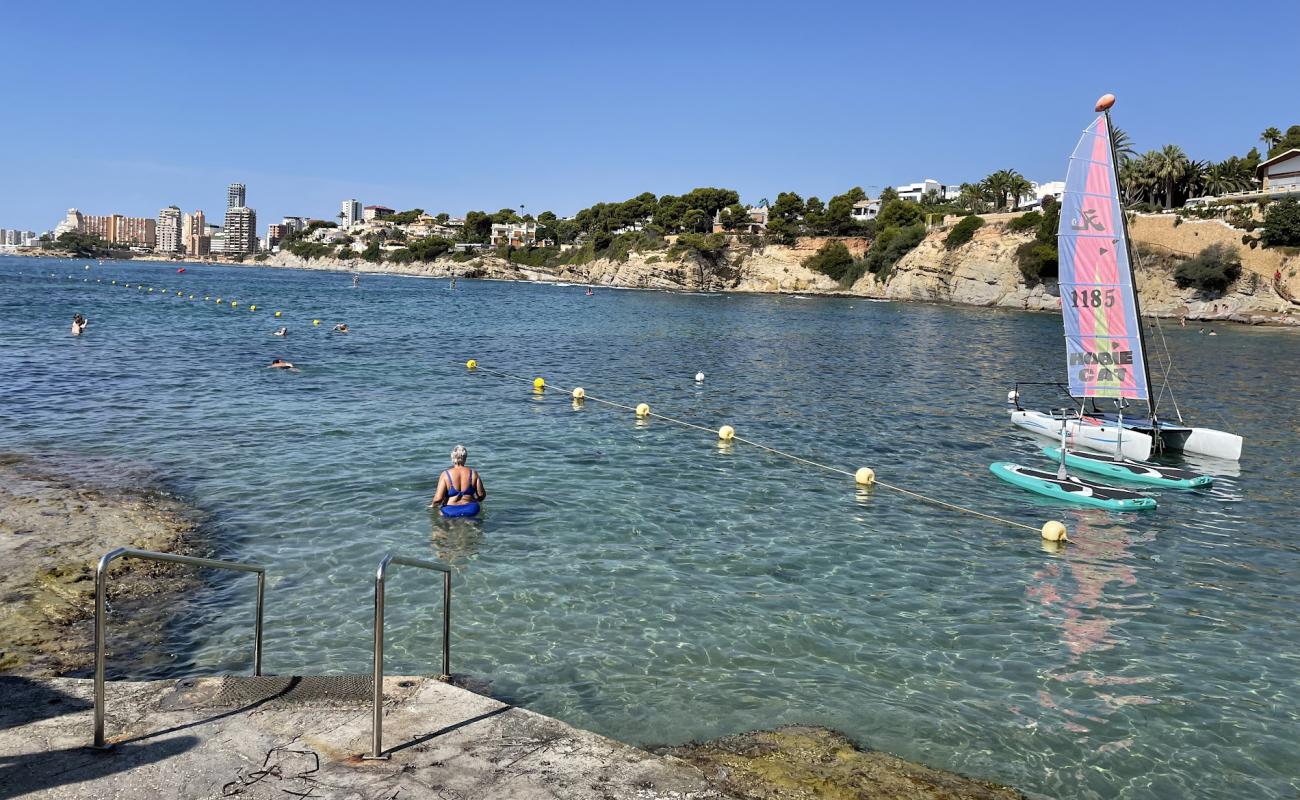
[151, 290]
[726, 433]
[234, 304]
[252, 308]
[579, 394]
[218, 301]
[1054, 531]
[471, 364]
[277, 313]
[207, 297]
[642, 410]
[539, 384]
[865, 476]
[114, 283]
[315, 322]
[191, 297]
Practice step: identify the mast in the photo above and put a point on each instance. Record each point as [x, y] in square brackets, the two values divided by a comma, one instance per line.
[1104, 105]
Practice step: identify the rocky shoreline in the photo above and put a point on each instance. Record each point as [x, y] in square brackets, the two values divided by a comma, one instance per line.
[53, 530]
[983, 272]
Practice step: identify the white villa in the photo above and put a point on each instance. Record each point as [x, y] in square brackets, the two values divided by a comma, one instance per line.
[1282, 171]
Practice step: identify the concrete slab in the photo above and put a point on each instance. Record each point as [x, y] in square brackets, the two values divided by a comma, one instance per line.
[230, 737]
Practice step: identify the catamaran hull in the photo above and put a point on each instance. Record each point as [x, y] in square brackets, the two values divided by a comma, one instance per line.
[1100, 437]
[1182, 439]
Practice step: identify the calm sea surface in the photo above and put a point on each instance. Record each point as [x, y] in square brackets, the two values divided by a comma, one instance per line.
[639, 580]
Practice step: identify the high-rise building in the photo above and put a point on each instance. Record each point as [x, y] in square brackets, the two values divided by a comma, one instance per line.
[117, 229]
[351, 212]
[197, 242]
[169, 230]
[72, 222]
[274, 234]
[235, 196]
[241, 230]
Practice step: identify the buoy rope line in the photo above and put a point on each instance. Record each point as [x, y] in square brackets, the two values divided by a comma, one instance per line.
[644, 411]
[192, 294]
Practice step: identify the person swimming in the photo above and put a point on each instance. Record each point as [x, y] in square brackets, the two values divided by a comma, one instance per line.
[79, 324]
[283, 331]
[460, 489]
[341, 328]
[280, 363]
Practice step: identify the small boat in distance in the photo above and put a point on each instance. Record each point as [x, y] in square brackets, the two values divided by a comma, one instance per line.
[1106, 358]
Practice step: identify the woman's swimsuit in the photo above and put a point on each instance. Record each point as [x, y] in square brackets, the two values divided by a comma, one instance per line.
[464, 509]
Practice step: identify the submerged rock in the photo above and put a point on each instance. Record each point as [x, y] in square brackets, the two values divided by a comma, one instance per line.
[811, 763]
[53, 529]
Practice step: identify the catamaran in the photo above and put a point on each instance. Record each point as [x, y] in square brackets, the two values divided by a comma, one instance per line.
[1104, 341]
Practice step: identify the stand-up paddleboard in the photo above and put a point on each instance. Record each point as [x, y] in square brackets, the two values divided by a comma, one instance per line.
[1135, 471]
[1071, 489]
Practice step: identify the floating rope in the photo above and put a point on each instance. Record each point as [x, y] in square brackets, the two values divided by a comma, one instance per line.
[646, 412]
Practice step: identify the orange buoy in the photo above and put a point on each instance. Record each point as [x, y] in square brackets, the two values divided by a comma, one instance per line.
[1105, 102]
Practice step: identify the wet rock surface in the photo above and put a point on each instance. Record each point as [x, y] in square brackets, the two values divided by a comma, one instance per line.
[799, 762]
[53, 530]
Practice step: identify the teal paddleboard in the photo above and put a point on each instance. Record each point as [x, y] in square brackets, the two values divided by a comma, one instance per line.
[1135, 471]
[1071, 489]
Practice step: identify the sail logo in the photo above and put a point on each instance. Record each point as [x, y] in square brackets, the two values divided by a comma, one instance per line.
[1103, 367]
[1087, 221]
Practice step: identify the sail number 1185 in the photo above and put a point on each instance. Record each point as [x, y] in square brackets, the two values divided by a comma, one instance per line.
[1092, 298]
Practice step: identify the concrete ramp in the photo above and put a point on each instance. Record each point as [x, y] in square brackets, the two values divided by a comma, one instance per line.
[289, 737]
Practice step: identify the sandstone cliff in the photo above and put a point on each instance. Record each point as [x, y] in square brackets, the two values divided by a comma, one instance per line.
[982, 272]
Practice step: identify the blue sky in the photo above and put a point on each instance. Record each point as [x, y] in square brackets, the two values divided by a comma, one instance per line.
[452, 106]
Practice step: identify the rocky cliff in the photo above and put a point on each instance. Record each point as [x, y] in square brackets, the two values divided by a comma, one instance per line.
[982, 272]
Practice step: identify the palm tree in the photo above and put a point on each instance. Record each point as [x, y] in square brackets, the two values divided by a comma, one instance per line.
[1169, 165]
[1226, 177]
[1270, 137]
[1192, 182]
[1018, 187]
[973, 197]
[1122, 145]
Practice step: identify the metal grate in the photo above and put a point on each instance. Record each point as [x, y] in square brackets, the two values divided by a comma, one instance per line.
[333, 691]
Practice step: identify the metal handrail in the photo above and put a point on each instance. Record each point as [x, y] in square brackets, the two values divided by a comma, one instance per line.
[377, 727]
[101, 621]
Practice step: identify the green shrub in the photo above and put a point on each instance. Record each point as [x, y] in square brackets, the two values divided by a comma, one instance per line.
[310, 250]
[1025, 222]
[461, 256]
[890, 246]
[429, 248]
[1037, 260]
[401, 256]
[1211, 270]
[962, 232]
[1282, 224]
[373, 253]
[833, 260]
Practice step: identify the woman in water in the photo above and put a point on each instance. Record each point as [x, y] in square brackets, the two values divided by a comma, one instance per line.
[79, 324]
[460, 490]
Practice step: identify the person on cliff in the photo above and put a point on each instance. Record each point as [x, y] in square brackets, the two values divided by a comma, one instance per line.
[79, 324]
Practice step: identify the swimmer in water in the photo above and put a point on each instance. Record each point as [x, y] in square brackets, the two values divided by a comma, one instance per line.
[459, 487]
[341, 328]
[282, 332]
[356, 281]
[79, 324]
[280, 363]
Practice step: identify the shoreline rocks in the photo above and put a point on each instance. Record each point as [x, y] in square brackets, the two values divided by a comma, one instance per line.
[53, 530]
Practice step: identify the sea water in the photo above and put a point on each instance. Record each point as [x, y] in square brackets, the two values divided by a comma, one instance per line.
[638, 579]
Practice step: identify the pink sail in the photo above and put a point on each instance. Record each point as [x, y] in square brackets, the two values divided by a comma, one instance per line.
[1103, 343]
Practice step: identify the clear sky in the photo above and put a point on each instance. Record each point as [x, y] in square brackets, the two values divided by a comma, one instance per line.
[129, 107]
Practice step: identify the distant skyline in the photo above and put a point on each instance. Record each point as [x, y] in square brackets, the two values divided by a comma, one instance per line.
[123, 109]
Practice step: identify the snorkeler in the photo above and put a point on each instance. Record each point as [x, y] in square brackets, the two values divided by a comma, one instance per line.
[280, 363]
[341, 328]
[460, 490]
[283, 331]
[79, 324]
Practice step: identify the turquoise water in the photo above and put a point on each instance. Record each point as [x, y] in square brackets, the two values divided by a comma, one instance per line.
[639, 580]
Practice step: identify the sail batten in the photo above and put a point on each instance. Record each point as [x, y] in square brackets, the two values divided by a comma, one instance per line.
[1103, 343]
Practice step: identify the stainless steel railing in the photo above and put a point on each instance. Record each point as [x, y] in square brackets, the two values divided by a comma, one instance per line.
[377, 727]
[101, 622]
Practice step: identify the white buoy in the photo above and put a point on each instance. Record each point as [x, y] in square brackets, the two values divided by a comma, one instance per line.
[699, 377]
